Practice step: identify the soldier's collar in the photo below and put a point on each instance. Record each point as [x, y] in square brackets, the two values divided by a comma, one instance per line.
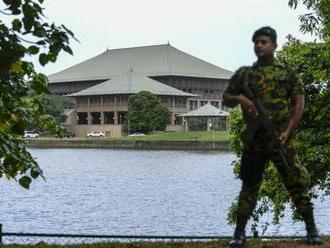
[275, 63]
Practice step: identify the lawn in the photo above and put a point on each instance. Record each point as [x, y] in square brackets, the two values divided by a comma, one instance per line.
[164, 136]
[183, 136]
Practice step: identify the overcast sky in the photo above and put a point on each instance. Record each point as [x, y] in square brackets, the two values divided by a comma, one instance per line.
[217, 31]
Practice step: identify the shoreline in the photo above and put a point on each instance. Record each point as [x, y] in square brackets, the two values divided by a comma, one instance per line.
[129, 144]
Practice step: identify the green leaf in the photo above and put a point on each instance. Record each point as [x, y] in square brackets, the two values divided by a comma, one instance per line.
[39, 87]
[17, 25]
[43, 59]
[34, 173]
[68, 50]
[7, 2]
[19, 127]
[52, 57]
[34, 49]
[27, 22]
[25, 182]
[41, 43]
[68, 31]
[29, 11]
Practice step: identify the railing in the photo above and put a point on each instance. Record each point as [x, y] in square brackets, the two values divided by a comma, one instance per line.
[28, 238]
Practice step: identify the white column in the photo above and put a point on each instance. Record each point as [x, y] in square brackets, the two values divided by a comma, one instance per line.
[209, 124]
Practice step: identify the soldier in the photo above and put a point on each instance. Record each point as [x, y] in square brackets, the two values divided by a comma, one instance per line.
[280, 92]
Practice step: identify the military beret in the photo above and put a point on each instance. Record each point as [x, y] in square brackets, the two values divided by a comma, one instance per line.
[265, 31]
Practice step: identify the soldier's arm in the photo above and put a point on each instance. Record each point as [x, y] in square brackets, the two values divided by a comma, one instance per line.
[233, 95]
[247, 105]
[299, 101]
[231, 100]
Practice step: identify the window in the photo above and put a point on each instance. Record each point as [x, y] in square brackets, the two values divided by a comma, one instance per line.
[177, 120]
[96, 118]
[121, 117]
[109, 118]
[193, 105]
[122, 100]
[215, 104]
[108, 101]
[178, 100]
[82, 102]
[202, 103]
[95, 101]
[82, 118]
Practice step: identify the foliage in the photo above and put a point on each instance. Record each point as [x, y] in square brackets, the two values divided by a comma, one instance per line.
[145, 113]
[55, 105]
[24, 34]
[312, 61]
[317, 20]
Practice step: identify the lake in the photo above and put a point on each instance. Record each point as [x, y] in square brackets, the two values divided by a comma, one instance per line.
[130, 192]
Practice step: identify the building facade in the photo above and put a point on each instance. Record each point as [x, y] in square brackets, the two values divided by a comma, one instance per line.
[197, 83]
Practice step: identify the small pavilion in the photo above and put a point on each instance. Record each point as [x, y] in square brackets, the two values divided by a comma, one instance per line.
[209, 112]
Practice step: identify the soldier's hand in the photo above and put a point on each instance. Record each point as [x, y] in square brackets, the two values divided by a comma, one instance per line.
[248, 106]
[283, 137]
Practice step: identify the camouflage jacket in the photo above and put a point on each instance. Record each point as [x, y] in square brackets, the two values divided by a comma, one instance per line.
[274, 85]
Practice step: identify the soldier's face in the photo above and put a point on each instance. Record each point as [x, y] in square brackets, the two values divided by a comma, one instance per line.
[264, 47]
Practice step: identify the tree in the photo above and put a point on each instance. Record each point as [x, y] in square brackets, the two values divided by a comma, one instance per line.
[312, 63]
[145, 113]
[55, 105]
[317, 21]
[25, 34]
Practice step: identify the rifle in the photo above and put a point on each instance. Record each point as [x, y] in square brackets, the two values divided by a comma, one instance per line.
[267, 124]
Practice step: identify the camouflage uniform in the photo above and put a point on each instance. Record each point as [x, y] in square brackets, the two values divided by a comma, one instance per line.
[274, 86]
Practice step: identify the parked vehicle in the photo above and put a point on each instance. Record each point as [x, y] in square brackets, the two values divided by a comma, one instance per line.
[30, 134]
[95, 134]
[137, 134]
[68, 134]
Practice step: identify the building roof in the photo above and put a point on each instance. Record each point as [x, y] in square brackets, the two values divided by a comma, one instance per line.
[158, 60]
[206, 111]
[131, 83]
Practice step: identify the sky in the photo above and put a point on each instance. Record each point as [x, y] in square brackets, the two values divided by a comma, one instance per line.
[216, 31]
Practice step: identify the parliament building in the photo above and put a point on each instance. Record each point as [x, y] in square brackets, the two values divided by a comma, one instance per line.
[100, 86]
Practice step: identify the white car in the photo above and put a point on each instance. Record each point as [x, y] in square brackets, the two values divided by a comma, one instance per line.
[95, 134]
[30, 134]
[137, 134]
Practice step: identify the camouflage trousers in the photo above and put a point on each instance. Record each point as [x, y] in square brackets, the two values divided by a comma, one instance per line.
[296, 180]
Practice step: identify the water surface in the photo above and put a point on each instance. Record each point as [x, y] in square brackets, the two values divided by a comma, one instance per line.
[102, 191]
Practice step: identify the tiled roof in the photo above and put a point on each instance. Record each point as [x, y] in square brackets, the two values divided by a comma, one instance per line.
[158, 60]
[131, 83]
[207, 110]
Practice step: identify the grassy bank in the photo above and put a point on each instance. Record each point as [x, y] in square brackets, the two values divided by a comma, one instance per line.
[161, 140]
[166, 136]
[183, 136]
[215, 244]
